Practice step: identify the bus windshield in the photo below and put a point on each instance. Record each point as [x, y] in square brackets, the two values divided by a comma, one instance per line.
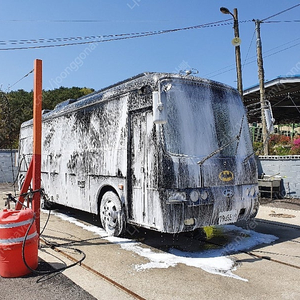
[203, 118]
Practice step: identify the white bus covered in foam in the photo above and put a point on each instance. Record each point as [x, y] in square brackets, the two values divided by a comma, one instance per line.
[163, 151]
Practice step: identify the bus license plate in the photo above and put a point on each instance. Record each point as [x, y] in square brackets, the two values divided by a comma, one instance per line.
[227, 217]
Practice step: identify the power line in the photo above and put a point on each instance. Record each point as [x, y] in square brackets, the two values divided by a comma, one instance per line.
[81, 40]
[281, 12]
[252, 59]
[10, 86]
[102, 38]
[119, 21]
[113, 37]
[253, 35]
[283, 21]
[83, 21]
[292, 46]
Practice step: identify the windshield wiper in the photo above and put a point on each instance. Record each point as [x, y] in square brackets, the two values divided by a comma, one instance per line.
[239, 135]
[248, 157]
[200, 162]
[236, 138]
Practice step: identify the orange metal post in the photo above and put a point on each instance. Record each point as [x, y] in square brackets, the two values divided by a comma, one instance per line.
[25, 186]
[34, 172]
[37, 137]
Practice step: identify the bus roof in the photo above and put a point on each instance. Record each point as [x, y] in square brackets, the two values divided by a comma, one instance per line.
[119, 88]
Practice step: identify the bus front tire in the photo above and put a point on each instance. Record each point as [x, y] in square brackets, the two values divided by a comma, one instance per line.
[112, 215]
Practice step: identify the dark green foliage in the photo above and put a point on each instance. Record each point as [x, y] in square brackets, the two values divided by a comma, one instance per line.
[53, 97]
[16, 107]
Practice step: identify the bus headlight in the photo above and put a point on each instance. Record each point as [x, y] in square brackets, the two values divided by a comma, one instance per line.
[194, 195]
[204, 195]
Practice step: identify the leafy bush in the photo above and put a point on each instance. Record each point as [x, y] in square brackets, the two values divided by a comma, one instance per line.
[295, 150]
[258, 148]
[282, 145]
[277, 139]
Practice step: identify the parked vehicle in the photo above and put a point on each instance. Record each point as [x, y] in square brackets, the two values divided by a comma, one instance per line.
[163, 151]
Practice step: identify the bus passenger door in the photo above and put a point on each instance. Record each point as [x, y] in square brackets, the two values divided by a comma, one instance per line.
[138, 157]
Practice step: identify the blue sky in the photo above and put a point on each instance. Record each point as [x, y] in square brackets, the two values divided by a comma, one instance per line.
[97, 65]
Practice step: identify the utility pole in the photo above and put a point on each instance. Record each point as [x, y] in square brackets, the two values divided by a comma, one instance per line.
[261, 77]
[238, 53]
[236, 42]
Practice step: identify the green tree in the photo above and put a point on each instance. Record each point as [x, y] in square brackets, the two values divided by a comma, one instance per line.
[53, 97]
[16, 107]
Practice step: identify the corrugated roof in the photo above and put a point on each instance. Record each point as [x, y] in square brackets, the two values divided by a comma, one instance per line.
[283, 93]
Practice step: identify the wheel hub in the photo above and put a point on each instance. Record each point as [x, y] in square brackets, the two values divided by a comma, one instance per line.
[110, 214]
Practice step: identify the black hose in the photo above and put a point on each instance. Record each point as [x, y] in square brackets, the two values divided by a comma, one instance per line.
[46, 223]
[53, 246]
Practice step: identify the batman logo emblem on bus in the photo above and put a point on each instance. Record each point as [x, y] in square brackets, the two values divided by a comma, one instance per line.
[226, 175]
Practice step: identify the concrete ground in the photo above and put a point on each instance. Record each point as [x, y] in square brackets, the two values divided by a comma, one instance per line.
[39, 287]
[268, 271]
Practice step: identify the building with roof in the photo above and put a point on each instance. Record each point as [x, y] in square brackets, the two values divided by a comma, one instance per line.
[283, 94]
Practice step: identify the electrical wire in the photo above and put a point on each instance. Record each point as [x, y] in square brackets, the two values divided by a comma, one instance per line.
[281, 12]
[113, 37]
[104, 38]
[287, 21]
[10, 86]
[84, 21]
[249, 49]
[60, 39]
[265, 56]
[252, 59]
[292, 46]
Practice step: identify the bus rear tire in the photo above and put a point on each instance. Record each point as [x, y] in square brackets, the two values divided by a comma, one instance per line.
[112, 215]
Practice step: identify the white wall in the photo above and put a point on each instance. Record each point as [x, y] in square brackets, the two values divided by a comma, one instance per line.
[288, 168]
[7, 158]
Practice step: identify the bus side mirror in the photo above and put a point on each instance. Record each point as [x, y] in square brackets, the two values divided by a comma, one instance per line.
[159, 109]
